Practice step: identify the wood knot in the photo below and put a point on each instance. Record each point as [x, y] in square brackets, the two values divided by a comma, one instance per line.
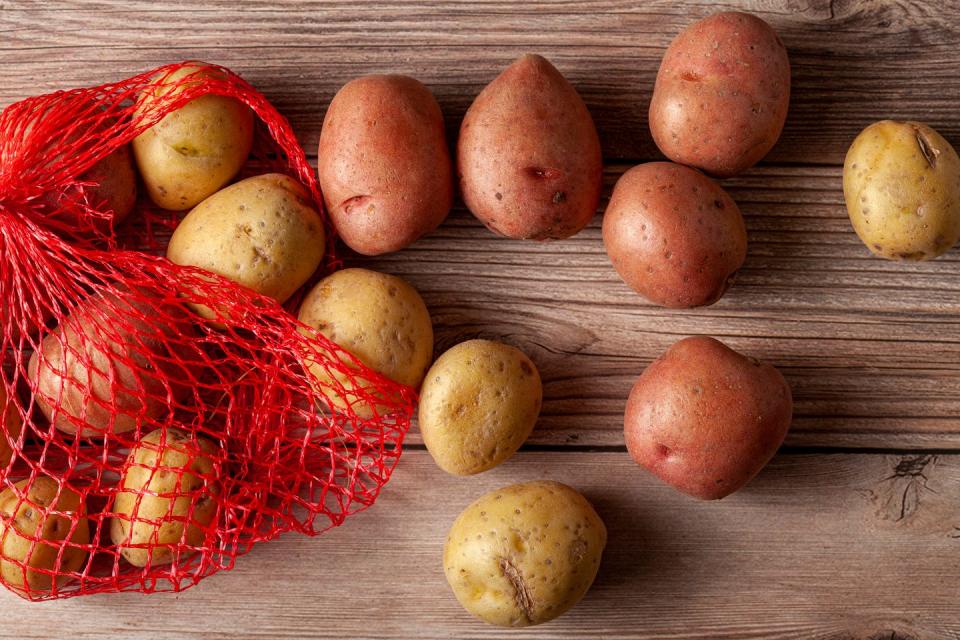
[899, 495]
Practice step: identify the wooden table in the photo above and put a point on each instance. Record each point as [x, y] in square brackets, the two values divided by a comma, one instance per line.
[852, 532]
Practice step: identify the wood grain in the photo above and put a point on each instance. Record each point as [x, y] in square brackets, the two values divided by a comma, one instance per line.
[845, 546]
[854, 61]
[819, 547]
[870, 347]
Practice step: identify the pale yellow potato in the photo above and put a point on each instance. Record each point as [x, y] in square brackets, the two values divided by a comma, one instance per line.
[378, 318]
[479, 403]
[166, 499]
[12, 426]
[38, 533]
[262, 232]
[524, 554]
[901, 183]
[192, 152]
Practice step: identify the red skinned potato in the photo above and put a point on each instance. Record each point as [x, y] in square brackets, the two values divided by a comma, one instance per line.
[384, 166]
[721, 95]
[674, 235]
[110, 366]
[528, 156]
[706, 419]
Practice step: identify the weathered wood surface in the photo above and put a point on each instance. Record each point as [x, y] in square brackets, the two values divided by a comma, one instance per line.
[822, 546]
[870, 347]
[853, 61]
[819, 547]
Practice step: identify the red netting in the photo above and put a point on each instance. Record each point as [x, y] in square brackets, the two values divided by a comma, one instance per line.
[144, 448]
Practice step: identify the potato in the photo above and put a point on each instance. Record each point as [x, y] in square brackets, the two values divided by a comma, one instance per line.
[705, 419]
[110, 355]
[113, 188]
[383, 163]
[529, 157]
[38, 534]
[378, 318]
[193, 151]
[167, 498]
[114, 184]
[674, 235]
[721, 96]
[262, 232]
[524, 554]
[12, 426]
[113, 179]
[479, 403]
[901, 182]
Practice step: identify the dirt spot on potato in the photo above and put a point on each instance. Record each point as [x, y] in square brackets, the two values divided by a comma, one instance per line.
[545, 173]
[520, 593]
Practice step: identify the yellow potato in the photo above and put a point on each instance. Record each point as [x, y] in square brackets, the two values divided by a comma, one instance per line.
[37, 534]
[192, 152]
[262, 232]
[901, 183]
[12, 426]
[378, 318]
[524, 554]
[167, 498]
[479, 403]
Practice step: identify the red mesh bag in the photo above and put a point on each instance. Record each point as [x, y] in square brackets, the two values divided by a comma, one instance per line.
[143, 448]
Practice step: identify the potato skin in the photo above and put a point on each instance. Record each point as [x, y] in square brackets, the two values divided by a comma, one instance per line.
[524, 554]
[22, 521]
[85, 396]
[115, 183]
[528, 157]
[721, 95]
[169, 477]
[380, 319]
[674, 235]
[479, 403]
[192, 152]
[706, 419]
[11, 427]
[262, 232]
[901, 183]
[113, 178]
[383, 162]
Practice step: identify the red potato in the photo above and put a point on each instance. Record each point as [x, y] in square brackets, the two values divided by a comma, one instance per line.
[706, 419]
[721, 96]
[110, 366]
[11, 424]
[110, 185]
[112, 188]
[529, 156]
[384, 166]
[674, 235]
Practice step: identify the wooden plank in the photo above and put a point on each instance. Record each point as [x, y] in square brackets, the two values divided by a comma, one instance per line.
[828, 547]
[871, 348]
[853, 62]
